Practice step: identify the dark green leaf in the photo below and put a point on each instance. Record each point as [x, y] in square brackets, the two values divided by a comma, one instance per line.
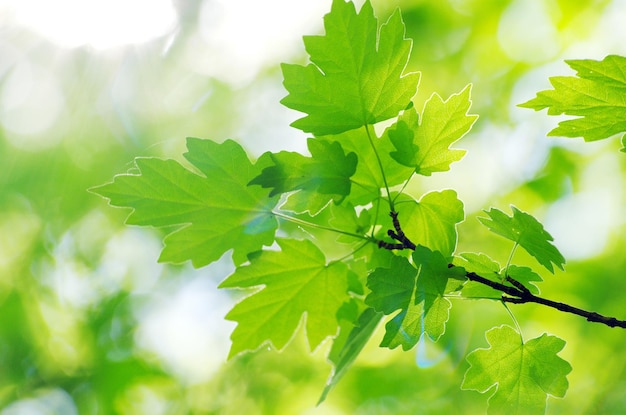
[417, 292]
[343, 357]
[326, 172]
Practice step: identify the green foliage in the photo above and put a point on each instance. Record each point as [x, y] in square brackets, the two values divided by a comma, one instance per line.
[398, 251]
[356, 75]
[417, 290]
[527, 232]
[214, 213]
[595, 95]
[326, 172]
[424, 145]
[432, 220]
[524, 372]
[297, 280]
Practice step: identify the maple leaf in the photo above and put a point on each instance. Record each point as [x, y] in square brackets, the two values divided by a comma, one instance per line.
[432, 220]
[525, 373]
[484, 266]
[417, 291]
[425, 145]
[368, 179]
[355, 76]
[214, 213]
[487, 268]
[597, 94]
[297, 281]
[326, 172]
[526, 231]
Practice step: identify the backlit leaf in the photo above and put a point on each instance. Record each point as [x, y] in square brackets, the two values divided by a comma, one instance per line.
[297, 281]
[425, 145]
[214, 212]
[355, 77]
[525, 230]
[417, 292]
[523, 373]
[596, 95]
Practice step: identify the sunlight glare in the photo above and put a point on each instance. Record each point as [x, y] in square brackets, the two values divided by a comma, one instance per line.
[100, 24]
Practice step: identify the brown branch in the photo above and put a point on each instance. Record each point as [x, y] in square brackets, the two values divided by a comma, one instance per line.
[515, 294]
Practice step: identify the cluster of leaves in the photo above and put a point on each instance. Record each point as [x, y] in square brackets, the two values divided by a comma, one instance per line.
[399, 261]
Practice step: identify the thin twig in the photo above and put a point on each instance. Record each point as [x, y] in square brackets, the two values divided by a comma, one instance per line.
[516, 293]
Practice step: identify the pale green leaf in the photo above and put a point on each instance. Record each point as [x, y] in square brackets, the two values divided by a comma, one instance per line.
[526, 231]
[213, 212]
[425, 145]
[355, 77]
[596, 95]
[523, 374]
[297, 281]
[432, 220]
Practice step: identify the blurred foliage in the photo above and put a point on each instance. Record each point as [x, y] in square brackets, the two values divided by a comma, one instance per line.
[79, 292]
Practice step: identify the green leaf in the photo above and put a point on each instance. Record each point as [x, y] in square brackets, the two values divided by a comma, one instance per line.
[214, 213]
[425, 145]
[597, 95]
[432, 220]
[417, 293]
[326, 172]
[303, 201]
[526, 231]
[484, 266]
[296, 281]
[355, 76]
[526, 276]
[368, 180]
[344, 353]
[523, 373]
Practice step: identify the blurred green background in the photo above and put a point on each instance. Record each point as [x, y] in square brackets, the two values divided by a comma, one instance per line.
[91, 324]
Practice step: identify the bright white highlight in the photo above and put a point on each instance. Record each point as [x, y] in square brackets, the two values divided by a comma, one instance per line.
[243, 36]
[99, 23]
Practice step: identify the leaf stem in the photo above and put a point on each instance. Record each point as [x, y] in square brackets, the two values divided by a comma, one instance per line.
[380, 165]
[318, 226]
[519, 329]
[508, 262]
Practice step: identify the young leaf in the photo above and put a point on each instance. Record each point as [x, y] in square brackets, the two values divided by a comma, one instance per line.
[355, 77]
[524, 373]
[368, 180]
[417, 293]
[525, 230]
[326, 172]
[596, 96]
[484, 266]
[214, 213]
[425, 145]
[526, 276]
[432, 221]
[297, 281]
